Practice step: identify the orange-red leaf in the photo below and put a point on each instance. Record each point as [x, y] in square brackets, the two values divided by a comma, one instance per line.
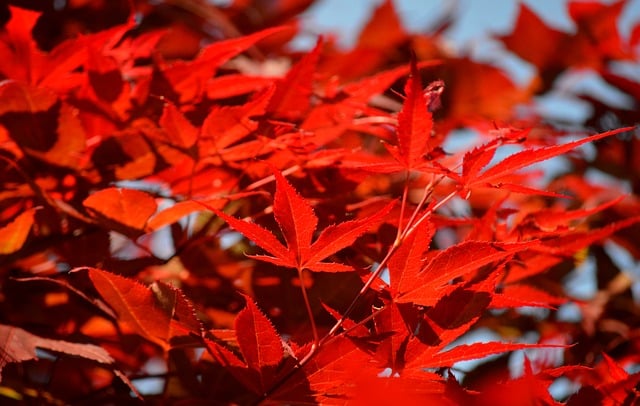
[184, 321]
[573, 241]
[364, 89]
[160, 313]
[516, 295]
[134, 304]
[596, 40]
[182, 209]
[18, 47]
[383, 28]
[173, 214]
[219, 52]
[14, 234]
[551, 220]
[477, 158]
[188, 79]
[224, 126]
[467, 256]
[121, 208]
[236, 84]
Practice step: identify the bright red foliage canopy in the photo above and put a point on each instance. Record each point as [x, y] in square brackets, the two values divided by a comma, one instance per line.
[185, 198]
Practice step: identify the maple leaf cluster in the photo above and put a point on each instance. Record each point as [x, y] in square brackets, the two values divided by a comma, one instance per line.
[192, 212]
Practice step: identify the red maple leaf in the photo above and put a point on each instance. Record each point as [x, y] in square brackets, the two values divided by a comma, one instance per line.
[292, 96]
[498, 175]
[414, 124]
[18, 345]
[597, 38]
[298, 223]
[127, 210]
[413, 132]
[14, 234]
[187, 79]
[260, 345]
[159, 313]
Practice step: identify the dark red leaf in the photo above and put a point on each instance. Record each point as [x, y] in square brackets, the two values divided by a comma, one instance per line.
[327, 376]
[179, 130]
[42, 125]
[18, 345]
[338, 236]
[259, 342]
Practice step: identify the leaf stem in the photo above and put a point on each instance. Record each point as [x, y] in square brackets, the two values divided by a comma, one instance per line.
[402, 235]
[441, 203]
[307, 304]
[271, 178]
[403, 206]
[428, 190]
[362, 291]
[409, 230]
[376, 120]
[358, 324]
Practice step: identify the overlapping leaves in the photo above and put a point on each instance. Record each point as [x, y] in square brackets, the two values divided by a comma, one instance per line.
[117, 105]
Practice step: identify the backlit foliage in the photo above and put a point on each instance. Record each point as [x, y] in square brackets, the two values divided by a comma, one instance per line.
[192, 212]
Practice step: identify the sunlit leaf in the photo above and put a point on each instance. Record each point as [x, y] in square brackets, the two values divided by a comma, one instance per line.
[14, 234]
[119, 207]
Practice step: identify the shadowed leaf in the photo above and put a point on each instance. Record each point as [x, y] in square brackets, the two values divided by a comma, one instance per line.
[18, 345]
